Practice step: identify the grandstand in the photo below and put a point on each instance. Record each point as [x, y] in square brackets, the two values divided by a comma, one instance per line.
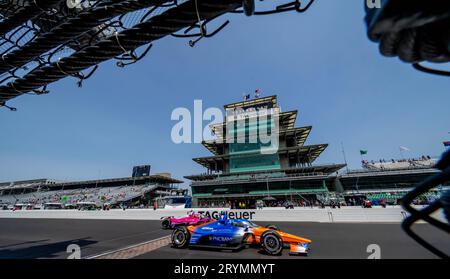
[128, 191]
[240, 176]
[387, 180]
[414, 163]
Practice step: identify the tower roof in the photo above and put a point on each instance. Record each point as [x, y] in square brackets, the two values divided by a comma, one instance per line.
[271, 101]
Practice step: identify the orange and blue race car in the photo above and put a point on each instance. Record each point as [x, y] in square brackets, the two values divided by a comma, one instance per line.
[235, 234]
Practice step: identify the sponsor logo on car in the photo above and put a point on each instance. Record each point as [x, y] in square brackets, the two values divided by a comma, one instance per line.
[220, 238]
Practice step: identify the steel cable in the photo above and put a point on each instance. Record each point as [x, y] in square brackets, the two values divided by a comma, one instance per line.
[30, 10]
[70, 29]
[170, 21]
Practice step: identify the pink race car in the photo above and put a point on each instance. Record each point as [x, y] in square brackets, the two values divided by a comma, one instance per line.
[192, 218]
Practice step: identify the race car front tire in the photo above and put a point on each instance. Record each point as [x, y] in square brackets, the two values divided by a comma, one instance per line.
[272, 227]
[165, 224]
[271, 242]
[180, 237]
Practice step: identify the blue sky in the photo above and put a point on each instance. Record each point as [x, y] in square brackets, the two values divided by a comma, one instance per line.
[320, 63]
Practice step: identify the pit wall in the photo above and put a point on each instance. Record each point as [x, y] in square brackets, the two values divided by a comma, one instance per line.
[326, 215]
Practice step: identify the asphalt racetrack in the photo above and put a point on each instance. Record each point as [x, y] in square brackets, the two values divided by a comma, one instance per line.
[49, 238]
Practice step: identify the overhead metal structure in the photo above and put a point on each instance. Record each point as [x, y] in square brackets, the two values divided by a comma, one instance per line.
[43, 41]
[415, 31]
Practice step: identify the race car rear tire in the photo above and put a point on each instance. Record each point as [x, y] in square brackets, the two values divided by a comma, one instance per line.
[180, 237]
[165, 224]
[271, 242]
[272, 227]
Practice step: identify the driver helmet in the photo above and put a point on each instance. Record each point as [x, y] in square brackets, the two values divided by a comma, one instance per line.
[223, 218]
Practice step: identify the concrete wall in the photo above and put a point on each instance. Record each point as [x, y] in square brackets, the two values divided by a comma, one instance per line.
[344, 214]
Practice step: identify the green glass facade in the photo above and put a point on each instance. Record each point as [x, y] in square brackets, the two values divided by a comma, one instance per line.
[260, 188]
[247, 141]
[260, 162]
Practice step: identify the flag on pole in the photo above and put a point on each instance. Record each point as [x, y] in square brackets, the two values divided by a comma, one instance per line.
[257, 93]
[363, 152]
[402, 148]
[446, 143]
[246, 97]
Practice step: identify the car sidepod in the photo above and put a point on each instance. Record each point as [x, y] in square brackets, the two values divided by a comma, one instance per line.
[218, 235]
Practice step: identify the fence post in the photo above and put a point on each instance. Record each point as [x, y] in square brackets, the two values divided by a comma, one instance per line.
[330, 216]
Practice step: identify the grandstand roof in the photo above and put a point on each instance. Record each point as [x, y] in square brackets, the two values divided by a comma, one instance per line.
[19, 186]
[306, 154]
[373, 173]
[124, 181]
[23, 184]
[89, 183]
[8, 183]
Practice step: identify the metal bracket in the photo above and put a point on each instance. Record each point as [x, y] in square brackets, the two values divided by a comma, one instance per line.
[3, 104]
[132, 56]
[291, 6]
[203, 31]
